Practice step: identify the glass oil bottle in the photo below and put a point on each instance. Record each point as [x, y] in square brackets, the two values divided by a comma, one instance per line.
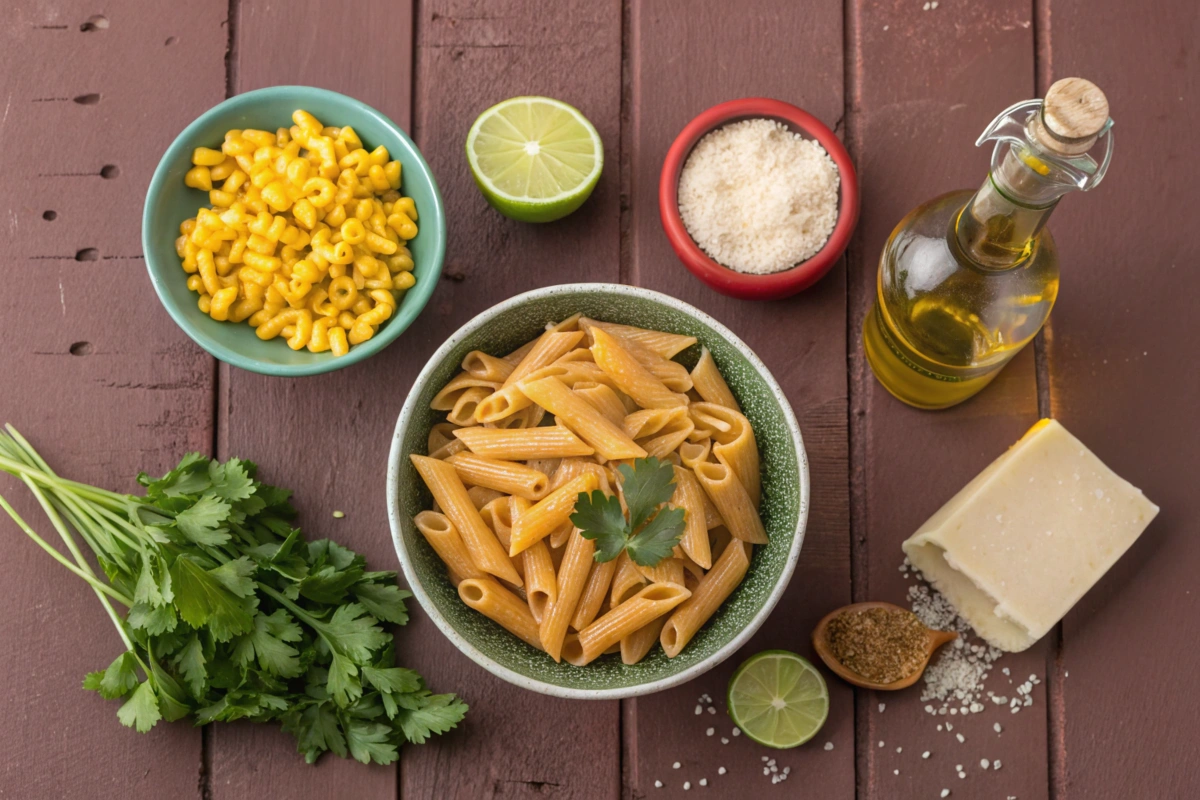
[968, 279]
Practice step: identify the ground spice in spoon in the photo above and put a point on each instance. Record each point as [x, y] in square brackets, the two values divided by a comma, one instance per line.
[882, 645]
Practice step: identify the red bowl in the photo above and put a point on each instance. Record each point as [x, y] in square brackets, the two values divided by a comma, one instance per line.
[723, 279]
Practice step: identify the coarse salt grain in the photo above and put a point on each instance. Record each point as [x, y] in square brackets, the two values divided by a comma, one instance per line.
[882, 706]
[724, 740]
[983, 762]
[757, 197]
[720, 770]
[687, 785]
[676, 765]
[710, 731]
[829, 745]
[945, 792]
[997, 728]
[925, 754]
[704, 781]
[737, 731]
[658, 784]
[960, 738]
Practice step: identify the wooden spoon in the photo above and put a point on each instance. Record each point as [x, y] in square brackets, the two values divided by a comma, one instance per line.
[820, 639]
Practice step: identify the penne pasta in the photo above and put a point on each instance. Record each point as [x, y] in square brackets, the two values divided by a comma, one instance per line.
[638, 611]
[712, 517]
[463, 413]
[659, 431]
[548, 513]
[734, 445]
[450, 494]
[595, 592]
[502, 607]
[445, 541]
[550, 347]
[689, 496]
[541, 583]
[667, 345]
[509, 399]
[627, 581]
[710, 385]
[672, 374]
[455, 445]
[481, 495]
[731, 499]
[523, 443]
[479, 364]
[497, 515]
[669, 570]
[439, 435]
[714, 588]
[693, 453]
[602, 398]
[630, 376]
[572, 575]
[509, 477]
[578, 354]
[448, 396]
[718, 539]
[578, 415]
[636, 645]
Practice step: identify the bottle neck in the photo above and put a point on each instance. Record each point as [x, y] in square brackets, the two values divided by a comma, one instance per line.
[999, 227]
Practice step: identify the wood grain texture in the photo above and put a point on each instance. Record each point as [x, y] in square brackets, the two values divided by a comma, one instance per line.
[1124, 380]
[913, 120]
[323, 437]
[96, 374]
[683, 58]
[471, 55]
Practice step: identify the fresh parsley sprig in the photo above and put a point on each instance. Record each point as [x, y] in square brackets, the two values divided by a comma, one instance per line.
[651, 531]
[231, 614]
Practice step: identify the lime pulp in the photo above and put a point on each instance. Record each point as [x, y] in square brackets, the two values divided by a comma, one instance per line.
[778, 699]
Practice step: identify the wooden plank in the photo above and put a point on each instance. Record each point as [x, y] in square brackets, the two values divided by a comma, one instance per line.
[683, 58]
[98, 377]
[324, 437]
[489, 258]
[1124, 380]
[471, 55]
[912, 124]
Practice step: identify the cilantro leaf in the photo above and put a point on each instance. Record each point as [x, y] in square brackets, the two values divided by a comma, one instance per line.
[154, 582]
[172, 699]
[230, 480]
[152, 620]
[200, 522]
[599, 517]
[316, 730]
[437, 714]
[656, 540]
[371, 741]
[203, 599]
[344, 685]
[393, 679]
[328, 584]
[646, 485]
[141, 709]
[383, 601]
[353, 633]
[235, 576]
[269, 643]
[191, 661]
[116, 681]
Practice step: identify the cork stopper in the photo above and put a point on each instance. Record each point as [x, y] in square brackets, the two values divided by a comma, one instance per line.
[1074, 112]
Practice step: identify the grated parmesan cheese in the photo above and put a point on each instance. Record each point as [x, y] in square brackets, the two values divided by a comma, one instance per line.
[758, 198]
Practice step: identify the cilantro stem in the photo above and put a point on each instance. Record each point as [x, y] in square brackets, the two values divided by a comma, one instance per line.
[66, 562]
[311, 621]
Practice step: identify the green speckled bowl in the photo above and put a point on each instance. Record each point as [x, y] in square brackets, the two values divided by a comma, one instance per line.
[169, 202]
[505, 327]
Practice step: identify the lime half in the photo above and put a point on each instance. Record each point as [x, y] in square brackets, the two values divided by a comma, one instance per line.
[778, 699]
[535, 159]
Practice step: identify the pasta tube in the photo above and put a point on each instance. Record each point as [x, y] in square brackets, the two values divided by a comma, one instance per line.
[572, 575]
[594, 593]
[638, 611]
[579, 415]
[630, 376]
[509, 477]
[709, 384]
[547, 514]
[449, 492]
[731, 499]
[690, 497]
[445, 541]
[520, 444]
[502, 607]
[714, 589]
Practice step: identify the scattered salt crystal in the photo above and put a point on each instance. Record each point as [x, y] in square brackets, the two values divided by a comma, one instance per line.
[724, 740]
[658, 784]
[737, 731]
[882, 706]
[945, 792]
[764, 758]
[720, 770]
[939, 727]
[983, 762]
[829, 745]
[958, 767]
[960, 738]
[899, 749]
[676, 765]
[962, 775]
[704, 781]
[995, 765]
[687, 785]
[925, 754]
[926, 7]
[895, 772]
[712, 710]
[881, 743]
[710, 731]
[934, 4]
[699, 710]
[997, 727]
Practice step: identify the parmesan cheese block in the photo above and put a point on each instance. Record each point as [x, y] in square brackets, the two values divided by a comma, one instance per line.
[1023, 541]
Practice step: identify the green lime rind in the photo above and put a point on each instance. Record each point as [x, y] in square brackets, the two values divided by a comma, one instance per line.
[778, 699]
[565, 167]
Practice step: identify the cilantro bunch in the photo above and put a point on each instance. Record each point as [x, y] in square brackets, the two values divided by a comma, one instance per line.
[650, 533]
[230, 614]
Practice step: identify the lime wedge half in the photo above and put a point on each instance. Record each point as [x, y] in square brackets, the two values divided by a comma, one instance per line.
[534, 158]
[778, 699]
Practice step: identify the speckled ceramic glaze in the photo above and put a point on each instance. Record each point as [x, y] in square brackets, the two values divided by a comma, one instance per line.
[502, 329]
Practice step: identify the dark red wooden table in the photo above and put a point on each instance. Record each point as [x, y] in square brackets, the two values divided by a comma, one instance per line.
[96, 374]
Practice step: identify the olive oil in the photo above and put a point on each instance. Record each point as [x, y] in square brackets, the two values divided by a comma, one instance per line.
[968, 279]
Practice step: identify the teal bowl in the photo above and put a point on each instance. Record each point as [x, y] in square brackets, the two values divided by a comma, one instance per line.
[785, 482]
[169, 202]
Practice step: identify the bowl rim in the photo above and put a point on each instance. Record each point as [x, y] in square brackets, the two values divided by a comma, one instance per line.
[394, 461]
[749, 286]
[420, 293]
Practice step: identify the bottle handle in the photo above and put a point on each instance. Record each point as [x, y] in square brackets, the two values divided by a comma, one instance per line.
[1012, 127]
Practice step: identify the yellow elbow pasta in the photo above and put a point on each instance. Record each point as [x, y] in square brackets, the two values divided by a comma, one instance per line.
[304, 235]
